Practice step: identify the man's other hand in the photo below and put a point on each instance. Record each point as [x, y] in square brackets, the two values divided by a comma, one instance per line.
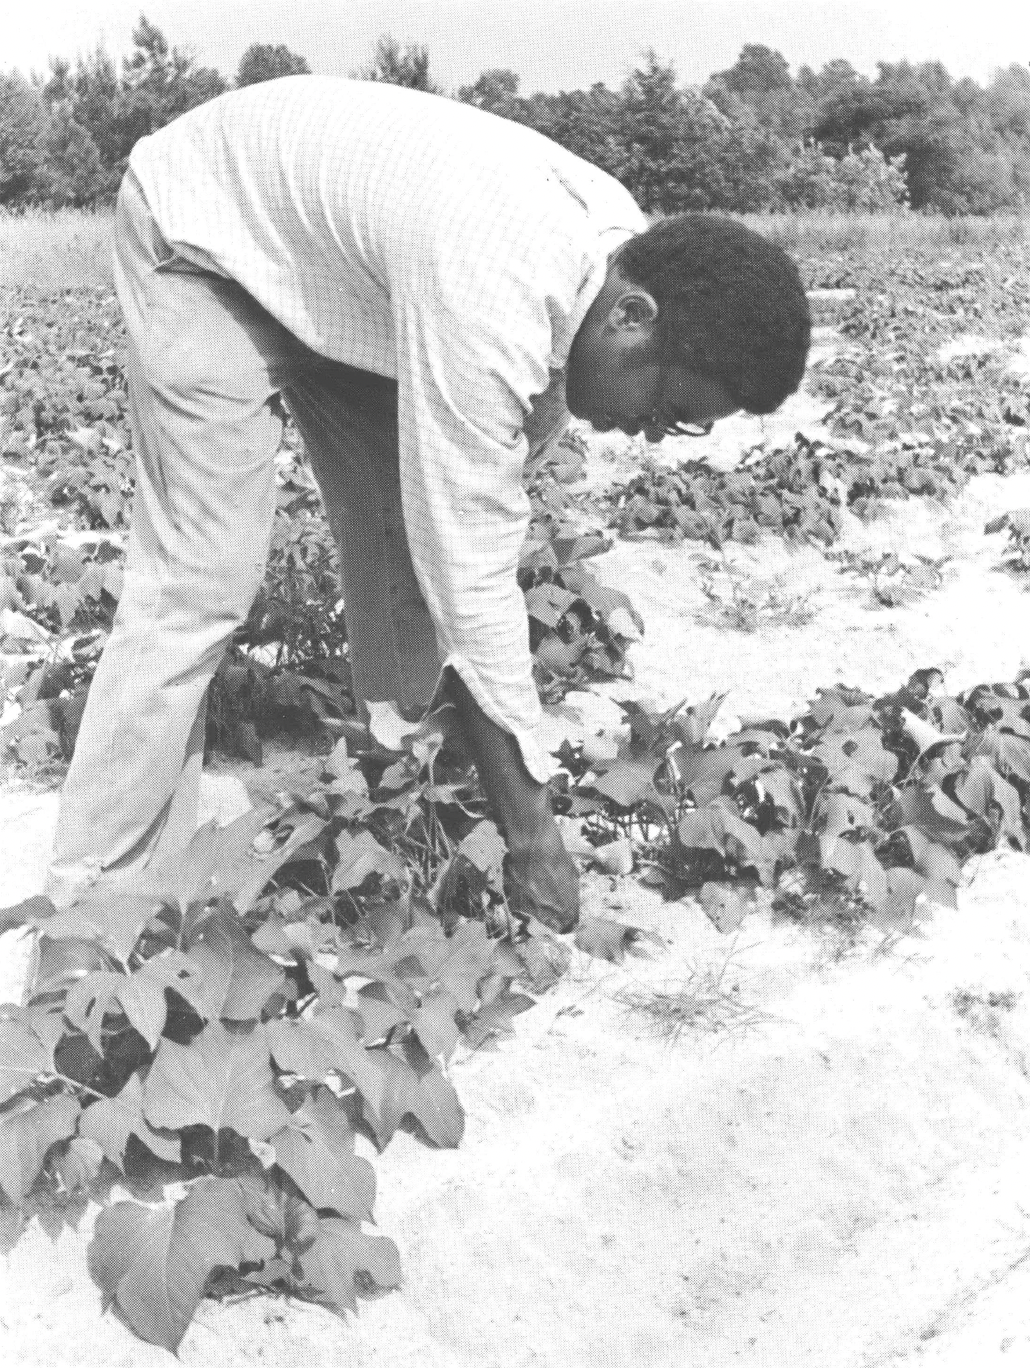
[541, 879]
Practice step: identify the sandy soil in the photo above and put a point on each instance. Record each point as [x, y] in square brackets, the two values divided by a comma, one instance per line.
[829, 1167]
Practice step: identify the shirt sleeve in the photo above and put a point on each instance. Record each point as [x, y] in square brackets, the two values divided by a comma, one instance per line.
[475, 341]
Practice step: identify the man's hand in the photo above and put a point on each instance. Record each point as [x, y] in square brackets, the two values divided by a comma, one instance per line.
[543, 882]
[541, 878]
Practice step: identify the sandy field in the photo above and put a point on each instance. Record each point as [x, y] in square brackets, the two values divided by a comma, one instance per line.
[828, 1166]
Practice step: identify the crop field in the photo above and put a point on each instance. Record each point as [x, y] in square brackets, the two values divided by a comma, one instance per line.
[786, 677]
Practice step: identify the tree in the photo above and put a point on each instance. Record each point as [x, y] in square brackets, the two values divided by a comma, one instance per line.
[1006, 105]
[399, 66]
[495, 90]
[757, 71]
[263, 62]
[159, 83]
[22, 122]
[682, 153]
[72, 171]
[90, 97]
[759, 89]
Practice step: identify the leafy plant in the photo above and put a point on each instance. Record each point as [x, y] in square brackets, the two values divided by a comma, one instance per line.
[214, 1037]
[860, 807]
[1017, 525]
[745, 603]
[894, 578]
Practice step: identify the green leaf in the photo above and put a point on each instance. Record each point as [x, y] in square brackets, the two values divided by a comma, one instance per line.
[719, 827]
[548, 603]
[155, 1261]
[610, 940]
[933, 813]
[114, 921]
[67, 600]
[1010, 753]
[111, 1120]
[897, 912]
[172, 969]
[484, 847]
[936, 862]
[387, 726]
[58, 963]
[244, 880]
[28, 1129]
[288, 1220]
[339, 1254]
[692, 724]
[495, 1018]
[924, 735]
[839, 712]
[785, 792]
[238, 978]
[982, 789]
[434, 1023]
[428, 1097]
[842, 812]
[723, 906]
[96, 995]
[317, 1151]
[327, 1042]
[857, 861]
[629, 782]
[454, 963]
[855, 758]
[211, 860]
[331, 992]
[294, 940]
[378, 1017]
[221, 1079]
[79, 1164]
[361, 855]
[23, 1055]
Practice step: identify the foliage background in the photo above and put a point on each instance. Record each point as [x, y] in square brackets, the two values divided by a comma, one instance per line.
[754, 138]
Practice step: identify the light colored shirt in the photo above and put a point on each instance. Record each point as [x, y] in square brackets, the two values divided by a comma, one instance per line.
[418, 238]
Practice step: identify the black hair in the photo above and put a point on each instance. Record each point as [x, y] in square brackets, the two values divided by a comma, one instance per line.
[730, 305]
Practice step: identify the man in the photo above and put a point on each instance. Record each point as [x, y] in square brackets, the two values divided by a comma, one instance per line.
[424, 286]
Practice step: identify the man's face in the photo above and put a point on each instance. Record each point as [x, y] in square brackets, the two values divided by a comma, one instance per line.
[644, 397]
[615, 377]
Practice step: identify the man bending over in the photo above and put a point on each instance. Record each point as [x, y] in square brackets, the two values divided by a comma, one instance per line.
[429, 290]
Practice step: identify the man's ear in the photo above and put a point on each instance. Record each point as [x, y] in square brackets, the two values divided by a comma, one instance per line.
[635, 310]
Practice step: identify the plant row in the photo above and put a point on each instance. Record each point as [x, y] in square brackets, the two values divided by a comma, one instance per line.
[198, 1049]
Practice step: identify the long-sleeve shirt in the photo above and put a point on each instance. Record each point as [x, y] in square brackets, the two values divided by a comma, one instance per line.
[417, 238]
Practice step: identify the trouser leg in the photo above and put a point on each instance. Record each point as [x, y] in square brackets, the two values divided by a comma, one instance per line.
[206, 423]
[348, 419]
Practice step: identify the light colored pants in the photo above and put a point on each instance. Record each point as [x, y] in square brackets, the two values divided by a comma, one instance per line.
[208, 370]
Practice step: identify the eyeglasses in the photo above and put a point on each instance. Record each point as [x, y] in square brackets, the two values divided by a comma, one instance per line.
[682, 429]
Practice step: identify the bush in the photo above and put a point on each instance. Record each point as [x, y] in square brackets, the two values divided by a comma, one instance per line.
[863, 182]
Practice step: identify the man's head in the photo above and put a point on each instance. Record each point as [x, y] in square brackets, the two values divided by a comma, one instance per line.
[697, 318]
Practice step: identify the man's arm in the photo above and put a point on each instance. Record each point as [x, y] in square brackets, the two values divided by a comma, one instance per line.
[474, 337]
[541, 877]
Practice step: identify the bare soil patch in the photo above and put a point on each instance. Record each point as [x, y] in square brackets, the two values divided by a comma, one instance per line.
[837, 1173]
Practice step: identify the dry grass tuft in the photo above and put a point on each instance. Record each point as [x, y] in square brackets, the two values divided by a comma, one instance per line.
[55, 250]
[702, 1002]
[883, 234]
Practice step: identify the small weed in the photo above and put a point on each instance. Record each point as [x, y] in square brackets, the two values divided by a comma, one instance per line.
[702, 1002]
[1016, 559]
[745, 604]
[983, 1011]
[894, 578]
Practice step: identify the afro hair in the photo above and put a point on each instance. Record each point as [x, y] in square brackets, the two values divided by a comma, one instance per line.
[730, 305]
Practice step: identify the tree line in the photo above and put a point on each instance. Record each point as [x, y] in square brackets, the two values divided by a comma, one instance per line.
[753, 138]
